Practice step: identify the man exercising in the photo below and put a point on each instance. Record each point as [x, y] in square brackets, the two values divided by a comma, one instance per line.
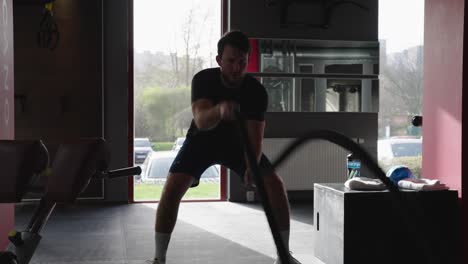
[213, 138]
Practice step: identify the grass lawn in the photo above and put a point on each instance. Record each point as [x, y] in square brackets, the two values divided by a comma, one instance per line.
[152, 192]
[159, 146]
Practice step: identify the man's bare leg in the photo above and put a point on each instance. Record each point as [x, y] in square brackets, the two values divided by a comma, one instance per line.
[278, 198]
[176, 186]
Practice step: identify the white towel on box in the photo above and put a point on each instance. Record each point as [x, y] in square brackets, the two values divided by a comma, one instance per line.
[364, 184]
[422, 185]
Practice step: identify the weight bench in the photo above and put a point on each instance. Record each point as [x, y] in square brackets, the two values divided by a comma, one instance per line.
[21, 162]
[75, 164]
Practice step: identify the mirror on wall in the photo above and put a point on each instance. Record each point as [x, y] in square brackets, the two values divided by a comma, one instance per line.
[318, 76]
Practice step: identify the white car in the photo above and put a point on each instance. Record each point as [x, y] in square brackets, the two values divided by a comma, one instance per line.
[142, 148]
[158, 164]
[178, 143]
[388, 149]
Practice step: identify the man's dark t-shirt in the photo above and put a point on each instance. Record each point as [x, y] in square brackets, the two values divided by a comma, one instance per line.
[221, 144]
[250, 95]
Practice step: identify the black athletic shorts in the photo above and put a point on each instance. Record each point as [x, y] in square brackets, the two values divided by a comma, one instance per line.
[207, 148]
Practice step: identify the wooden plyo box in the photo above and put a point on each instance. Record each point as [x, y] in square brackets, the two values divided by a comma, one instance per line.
[360, 227]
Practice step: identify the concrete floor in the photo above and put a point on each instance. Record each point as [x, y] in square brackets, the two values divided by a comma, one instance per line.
[208, 233]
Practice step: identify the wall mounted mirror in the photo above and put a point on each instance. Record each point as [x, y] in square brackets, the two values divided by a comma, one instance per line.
[317, 76]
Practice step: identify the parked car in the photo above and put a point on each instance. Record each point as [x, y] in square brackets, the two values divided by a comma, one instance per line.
[178, 143]
[399, 147]
[158, 164]
[142, 148]
[401, 151]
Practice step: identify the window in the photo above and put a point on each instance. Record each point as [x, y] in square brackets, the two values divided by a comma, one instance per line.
[286, 64]
[173, 40]
[401, 75]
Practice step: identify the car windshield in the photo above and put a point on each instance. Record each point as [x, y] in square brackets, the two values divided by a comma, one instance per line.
[211, 172]
[406, 149]
[142, 143]
[160, 167]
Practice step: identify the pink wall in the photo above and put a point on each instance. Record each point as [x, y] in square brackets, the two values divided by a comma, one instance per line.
[6, 102]
[442, 107]
[254, 60]
[443, 104]
[7, 222]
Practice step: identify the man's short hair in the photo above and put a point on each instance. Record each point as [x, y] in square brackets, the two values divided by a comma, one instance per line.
[236, 39]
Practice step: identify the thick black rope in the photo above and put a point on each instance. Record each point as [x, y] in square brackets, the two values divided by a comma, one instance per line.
[338, 139]
[264, 199]
[344, 142]
[400, 206]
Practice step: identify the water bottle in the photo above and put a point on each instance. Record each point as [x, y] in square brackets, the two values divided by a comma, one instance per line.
[354, 166]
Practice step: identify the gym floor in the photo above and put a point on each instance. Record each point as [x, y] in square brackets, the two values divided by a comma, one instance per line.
[208, 233]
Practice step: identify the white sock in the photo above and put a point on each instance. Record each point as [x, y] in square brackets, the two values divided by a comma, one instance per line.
[162, 242]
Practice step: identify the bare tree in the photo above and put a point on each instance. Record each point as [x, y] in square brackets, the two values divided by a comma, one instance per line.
[196, 46]
[193, 30]
[174, 54]
[402, 78]
[175, 67]
[210, 40]
[187, 34]
[401, 90]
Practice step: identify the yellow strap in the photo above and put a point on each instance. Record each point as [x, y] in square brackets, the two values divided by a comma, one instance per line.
[47, 172]
[49, 6]
[12, 233]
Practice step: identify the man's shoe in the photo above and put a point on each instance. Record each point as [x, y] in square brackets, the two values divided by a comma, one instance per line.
[292, 260]
[155, 261]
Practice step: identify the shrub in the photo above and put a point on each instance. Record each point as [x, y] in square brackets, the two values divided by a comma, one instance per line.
[159, 146]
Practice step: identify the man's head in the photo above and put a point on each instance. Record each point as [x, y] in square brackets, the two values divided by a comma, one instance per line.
[233, 55]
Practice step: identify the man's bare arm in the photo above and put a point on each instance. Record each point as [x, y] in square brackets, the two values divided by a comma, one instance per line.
[207, 115]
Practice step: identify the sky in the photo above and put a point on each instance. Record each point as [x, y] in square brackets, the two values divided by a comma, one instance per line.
[401, 23]
[158, 24]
